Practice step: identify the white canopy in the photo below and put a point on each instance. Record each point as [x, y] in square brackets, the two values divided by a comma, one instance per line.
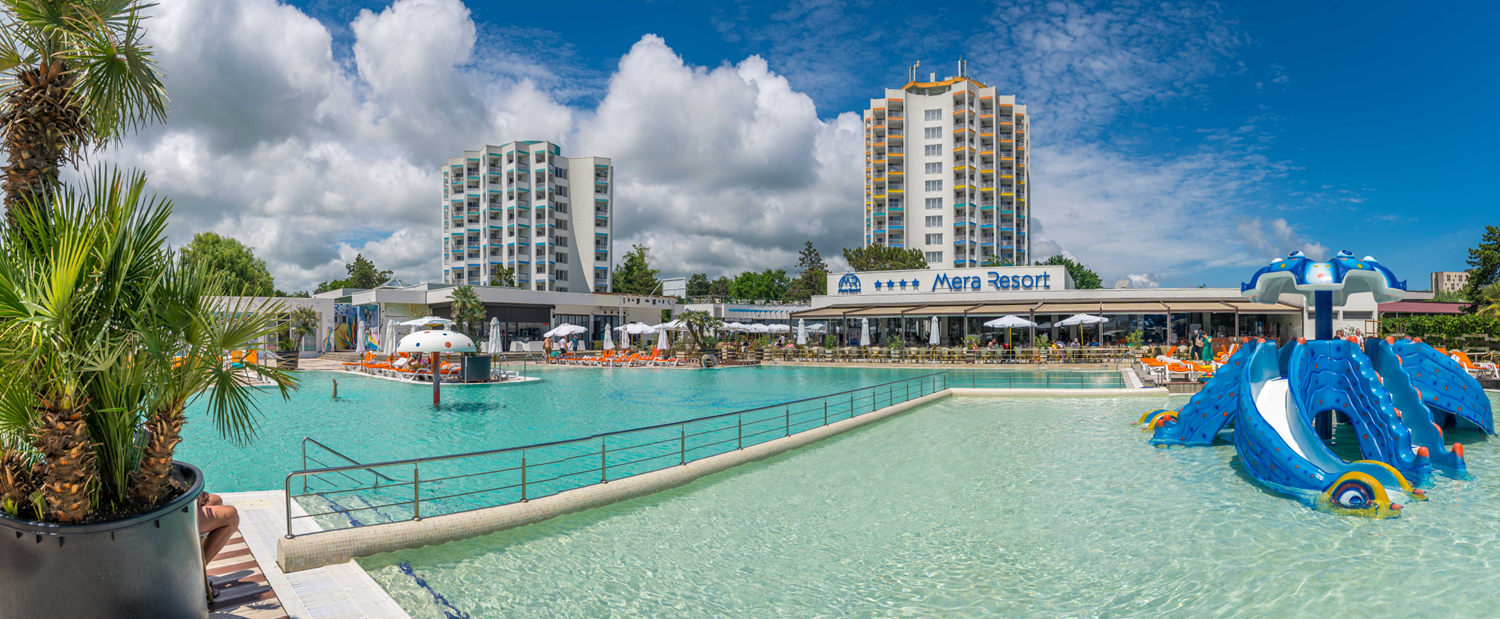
[435, 341]
[932, 337]
[734, 326]
[779, 328]
[1009, 321]
[564, 330]
[636, 328]
[816, 327]
[675, 325]
[427, 320]
[1082, 319]
[758, 328]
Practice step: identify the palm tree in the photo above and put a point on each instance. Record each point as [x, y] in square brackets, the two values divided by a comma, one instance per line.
[304, 322]
[106, 337]
[468, 310]
[1490, 300]
[74, 76]
[699, 325]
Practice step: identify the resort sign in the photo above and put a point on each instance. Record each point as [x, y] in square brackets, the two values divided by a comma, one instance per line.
[930, 281]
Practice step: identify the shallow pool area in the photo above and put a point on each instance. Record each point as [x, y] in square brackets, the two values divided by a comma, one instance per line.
[376, 420]
[972, 507]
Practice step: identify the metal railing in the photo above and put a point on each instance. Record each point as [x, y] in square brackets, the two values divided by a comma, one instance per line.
[415, 488]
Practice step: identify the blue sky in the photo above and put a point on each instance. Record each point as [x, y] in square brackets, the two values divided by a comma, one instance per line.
[1174, 144]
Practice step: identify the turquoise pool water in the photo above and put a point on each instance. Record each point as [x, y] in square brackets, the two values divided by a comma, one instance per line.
[379, 420]
[975, 507]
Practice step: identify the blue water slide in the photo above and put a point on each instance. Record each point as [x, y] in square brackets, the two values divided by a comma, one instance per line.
[1445, 387]
[1201, 419]
[1415, 415]
[1336, 376]
[1278, 447]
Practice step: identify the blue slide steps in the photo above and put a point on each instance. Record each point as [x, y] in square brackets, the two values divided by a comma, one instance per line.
[1201, 419]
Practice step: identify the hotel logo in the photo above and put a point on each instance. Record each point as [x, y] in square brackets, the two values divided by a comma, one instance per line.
[849, 284]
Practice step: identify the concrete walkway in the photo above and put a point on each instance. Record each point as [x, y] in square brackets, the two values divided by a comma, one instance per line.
[338, 591]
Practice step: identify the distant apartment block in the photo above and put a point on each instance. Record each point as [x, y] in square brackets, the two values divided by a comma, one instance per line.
[1449, 281]
[524, 206]
[947, 171]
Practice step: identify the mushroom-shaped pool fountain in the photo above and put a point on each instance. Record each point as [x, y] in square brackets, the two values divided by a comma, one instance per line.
[435, 343]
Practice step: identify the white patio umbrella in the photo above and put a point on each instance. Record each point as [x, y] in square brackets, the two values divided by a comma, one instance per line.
[609, 344]
[662, 343]
[733, 326]
[1009, 322]
[635, 328]
[801, 332]
[817, 327]
[427, 320]
[758, 328]
[564, 330]
[1078, 320]
[495, 336]
[435, 343]
[780, 328]
[388, 341]
[359, 338]
[932, 338]
[864, 331]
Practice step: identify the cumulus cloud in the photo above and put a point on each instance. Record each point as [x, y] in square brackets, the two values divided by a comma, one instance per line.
[1276, 239]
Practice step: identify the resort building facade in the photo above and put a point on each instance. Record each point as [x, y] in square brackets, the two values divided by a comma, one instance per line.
[523, 206]
[905, 303]
[947, 171]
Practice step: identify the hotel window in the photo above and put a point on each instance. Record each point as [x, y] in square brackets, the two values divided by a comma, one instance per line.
[934, 256]
[935, 239]
[936, 185]
[1359, 315]
[934, 203]
[561, 276]
[932, 150]
[934, 168]
[935, 222]
[562, 258]
[561, 241]
[932, 133]
[932, 115]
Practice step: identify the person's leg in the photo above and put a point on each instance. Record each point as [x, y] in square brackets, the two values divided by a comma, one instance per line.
[219, 522]
[213, 499]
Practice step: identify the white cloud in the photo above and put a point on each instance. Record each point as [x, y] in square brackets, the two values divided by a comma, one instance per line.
[1144, 280]
[1277, 240]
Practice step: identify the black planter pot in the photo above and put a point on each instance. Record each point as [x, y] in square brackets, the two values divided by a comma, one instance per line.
[149, 565]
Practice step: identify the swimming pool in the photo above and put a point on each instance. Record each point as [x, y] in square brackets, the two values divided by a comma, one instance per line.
[977, 507]
[378, 420]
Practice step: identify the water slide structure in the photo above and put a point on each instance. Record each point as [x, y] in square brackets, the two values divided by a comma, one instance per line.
[1281, 402]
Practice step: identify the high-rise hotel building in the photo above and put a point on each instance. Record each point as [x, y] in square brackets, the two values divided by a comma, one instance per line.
[525, 207]
[947, 171]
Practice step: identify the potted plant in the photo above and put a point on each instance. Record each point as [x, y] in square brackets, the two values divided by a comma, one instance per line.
[286, 357]
[107, 337]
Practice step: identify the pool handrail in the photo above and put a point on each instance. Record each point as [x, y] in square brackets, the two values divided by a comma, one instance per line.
[601, 437]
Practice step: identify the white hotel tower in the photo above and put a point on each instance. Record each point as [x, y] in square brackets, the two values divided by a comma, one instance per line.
[524, 206]
[947, 171]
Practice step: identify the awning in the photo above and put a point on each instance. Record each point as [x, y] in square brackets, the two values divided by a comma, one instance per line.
[823, 312]
[937, 310]
[886, 310]
[1068, 308]
[996, 310]
[1198, 306]
[1246, 307]
[1137, 307]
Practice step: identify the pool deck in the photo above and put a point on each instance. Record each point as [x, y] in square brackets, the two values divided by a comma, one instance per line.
[336, 591]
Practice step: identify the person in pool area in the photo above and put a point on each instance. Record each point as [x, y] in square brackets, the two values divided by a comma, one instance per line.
[218, 521]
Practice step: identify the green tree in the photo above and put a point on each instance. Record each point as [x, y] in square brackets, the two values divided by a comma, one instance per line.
[1083, 278]
[813, 277]
[300, 294]
[1484, 263]
[243, 273]
[76, 77]
[304, 322]
[1489, 301]
[362, 275]
[635, 275]
[719, 287]
[1444, 296]
[699, 325]
[996, 261]
[468, 310]
[882, 258]
[697, 285]
[503, 277]
[765, 285]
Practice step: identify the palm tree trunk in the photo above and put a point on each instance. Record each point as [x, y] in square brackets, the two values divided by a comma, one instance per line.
[40, 128]
[68, 469]
[17, 481]
[152, 481]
